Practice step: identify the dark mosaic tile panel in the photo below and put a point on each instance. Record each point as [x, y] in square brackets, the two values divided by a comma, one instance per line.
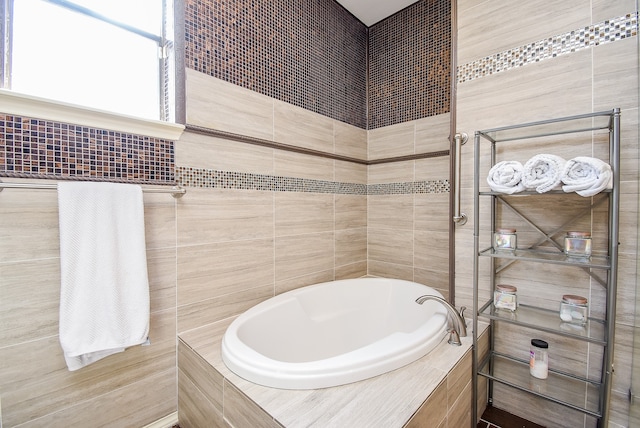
[410, 64]
[209, 178]
[311, 54]
[34, 148]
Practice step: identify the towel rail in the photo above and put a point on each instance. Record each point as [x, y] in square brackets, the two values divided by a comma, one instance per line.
[175, 191]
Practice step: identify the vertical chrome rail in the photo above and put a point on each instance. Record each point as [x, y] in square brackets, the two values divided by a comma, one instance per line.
[458, 217]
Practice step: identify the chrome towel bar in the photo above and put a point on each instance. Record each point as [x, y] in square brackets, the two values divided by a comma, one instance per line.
[175, 191]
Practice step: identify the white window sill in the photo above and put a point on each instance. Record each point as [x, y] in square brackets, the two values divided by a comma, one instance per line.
[40, 108]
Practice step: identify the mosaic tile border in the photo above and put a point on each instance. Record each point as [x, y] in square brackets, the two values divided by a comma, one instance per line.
[608, 31]
[209, 178]
[36, 148]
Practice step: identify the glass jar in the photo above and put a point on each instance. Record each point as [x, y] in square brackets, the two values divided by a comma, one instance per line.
[539, 359]
[574, 309]
[577, 244]
[505, 239]
[504, 297]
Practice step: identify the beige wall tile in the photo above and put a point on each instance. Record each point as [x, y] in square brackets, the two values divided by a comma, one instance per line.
[153, 396]
[607, 9]
[30, 293]
[161, 267]
[609, 80]
[35, 381]
[492, 26]
[298, 255]
[351, 211]
[302, 128]
[433, 411]
[304, 280]
[28, 224]
[390, 211]
[216, 104]
[159, 220]
[431, 250]
[389, 269]
[240, 411]
[431, 211]
[290, 164]
[208, 311]
[201, 151]
[391, 246]
[391, 141]
[395, 172]
[351, 246]
[458, 379]
[350, 172]
[432, 133]
[213, 270]
[210, 383]
[432, 168]
[298, 213]
[194, 410]
[350, 140]
[216, 215]
[354, 270]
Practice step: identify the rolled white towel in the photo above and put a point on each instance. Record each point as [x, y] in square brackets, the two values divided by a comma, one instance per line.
[543, 172]
[506, 177]
[587, 176]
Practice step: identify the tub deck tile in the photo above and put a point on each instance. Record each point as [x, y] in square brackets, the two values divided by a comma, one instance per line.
[388, 400]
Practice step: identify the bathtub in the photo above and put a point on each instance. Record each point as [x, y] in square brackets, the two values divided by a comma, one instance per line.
[333, 333]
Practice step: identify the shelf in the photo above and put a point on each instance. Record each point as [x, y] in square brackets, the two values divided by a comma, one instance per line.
[548, 321]
[576, 393]
[567, 125]
[534, 193]
[552, 257]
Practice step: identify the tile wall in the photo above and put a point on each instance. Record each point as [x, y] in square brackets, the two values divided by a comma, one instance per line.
[366, 77]
[216, 251]
[536, 61]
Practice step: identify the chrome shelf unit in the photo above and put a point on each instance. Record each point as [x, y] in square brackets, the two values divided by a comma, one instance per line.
[584, 394]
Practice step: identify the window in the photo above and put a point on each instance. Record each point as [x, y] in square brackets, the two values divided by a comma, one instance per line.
[108, 55]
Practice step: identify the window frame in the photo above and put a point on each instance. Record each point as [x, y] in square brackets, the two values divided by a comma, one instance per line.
[12, 102]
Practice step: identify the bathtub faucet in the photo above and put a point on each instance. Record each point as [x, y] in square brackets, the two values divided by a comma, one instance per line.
[459, 326]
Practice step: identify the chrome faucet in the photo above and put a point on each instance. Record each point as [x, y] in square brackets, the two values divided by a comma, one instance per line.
[459, 325]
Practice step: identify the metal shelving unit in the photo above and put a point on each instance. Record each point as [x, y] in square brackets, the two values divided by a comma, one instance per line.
[589, 396]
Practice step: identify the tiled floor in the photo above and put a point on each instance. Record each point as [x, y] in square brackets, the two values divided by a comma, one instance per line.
[496, 418]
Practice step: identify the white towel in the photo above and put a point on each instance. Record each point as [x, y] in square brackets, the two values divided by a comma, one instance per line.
[543, 172]
[104, 293]
[587, 176]
[506, 177]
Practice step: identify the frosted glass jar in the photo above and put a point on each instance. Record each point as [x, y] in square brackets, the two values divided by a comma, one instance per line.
[539, 359]
[577, 244]
[505, 297]
[574, 309]
[505, 239]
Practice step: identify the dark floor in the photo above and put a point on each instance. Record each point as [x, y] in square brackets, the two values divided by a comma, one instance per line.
[496, 418]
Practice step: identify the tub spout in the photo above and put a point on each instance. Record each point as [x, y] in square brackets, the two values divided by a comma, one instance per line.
[459, 326]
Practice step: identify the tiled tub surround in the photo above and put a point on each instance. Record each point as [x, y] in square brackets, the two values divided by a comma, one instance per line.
[596, 75]
[434, 391]
[317, 56]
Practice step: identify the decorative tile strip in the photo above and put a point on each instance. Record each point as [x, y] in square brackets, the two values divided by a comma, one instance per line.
[607, 31]
[36, 148]
[208, 178]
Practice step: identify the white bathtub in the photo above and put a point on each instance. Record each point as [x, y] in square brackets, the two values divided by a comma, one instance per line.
[334, 333]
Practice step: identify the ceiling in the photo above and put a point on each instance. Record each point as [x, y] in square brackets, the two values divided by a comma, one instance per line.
[372, 11]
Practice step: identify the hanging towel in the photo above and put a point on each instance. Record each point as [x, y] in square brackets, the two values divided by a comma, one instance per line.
[506, 177]
[104, 293]
[587, 176]
[543, 172]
